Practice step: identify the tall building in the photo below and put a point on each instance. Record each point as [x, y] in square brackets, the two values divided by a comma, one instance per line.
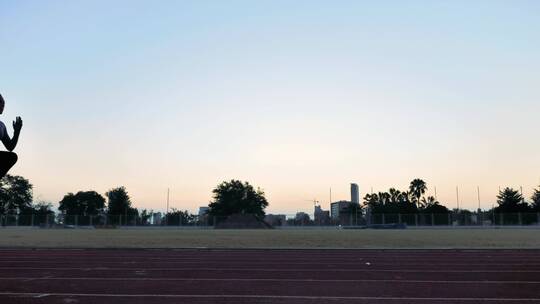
[355, 194]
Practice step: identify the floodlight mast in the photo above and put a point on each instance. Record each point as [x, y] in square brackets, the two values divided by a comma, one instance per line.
[478, 189]
[167, 201]
[457, 198]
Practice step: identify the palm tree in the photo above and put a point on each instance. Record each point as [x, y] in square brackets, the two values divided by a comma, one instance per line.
[395, 195]
[417, 188]
[428, 202]
[371, 200]
[384, 198]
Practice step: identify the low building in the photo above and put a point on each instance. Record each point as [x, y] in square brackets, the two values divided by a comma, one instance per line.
[337, 209]
[344, 213]
[203, 211]
[320, 216]
[157, 218]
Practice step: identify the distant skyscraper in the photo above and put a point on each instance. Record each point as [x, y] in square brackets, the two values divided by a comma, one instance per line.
[355, 194]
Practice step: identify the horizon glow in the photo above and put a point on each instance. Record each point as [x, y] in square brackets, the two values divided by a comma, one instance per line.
[293, 97]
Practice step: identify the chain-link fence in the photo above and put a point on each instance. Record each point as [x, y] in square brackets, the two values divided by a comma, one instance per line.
[279, 221]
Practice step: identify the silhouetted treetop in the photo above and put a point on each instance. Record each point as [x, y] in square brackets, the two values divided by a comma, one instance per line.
[82, 203]
[417, 188]
[535, 200]
[237, 197]
[511, 200]
[15, 193]
[119, 202]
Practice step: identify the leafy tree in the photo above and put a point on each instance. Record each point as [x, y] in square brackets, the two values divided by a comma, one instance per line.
[82, 203]
[536, 200]
[15, 194]
[79, 207]
[236, 197]
[43, 209]
[510, 201]
[179, 218]
[145, 217]
[119, 204]
[417, 188]
[42, 213]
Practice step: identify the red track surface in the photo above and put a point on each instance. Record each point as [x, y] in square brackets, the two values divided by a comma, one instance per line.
[269, 276]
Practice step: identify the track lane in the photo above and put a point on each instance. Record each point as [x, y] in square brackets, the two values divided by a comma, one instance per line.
[269, 276]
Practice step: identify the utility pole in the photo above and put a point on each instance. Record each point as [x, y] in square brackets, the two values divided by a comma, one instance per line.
[457, 197]
[478, 190]
[167, 201]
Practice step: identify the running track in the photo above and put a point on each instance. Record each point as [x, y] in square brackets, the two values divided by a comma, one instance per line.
[269, 276]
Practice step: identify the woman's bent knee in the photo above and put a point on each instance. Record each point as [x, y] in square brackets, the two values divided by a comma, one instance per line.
[12, 156]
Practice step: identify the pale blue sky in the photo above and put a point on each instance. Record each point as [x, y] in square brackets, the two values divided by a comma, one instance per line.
[293, 96]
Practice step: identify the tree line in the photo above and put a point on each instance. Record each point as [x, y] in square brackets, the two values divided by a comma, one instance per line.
[81, 208]
[410, 201]
[230, 197]
[414, 200]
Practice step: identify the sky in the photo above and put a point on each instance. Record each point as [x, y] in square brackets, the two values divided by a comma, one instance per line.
[295, 97]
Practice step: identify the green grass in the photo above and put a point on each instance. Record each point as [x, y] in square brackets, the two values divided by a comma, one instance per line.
[312, 238]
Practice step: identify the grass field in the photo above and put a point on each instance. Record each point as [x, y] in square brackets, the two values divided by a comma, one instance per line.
[312, 238]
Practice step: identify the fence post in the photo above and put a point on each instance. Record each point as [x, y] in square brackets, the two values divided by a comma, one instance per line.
[501, 219]
[432, 219]
[399, 218]
[520, 219]
[538, 218]
[47, 220]
[76, 220]
[91, 220]
[383, 219]
[416, 219]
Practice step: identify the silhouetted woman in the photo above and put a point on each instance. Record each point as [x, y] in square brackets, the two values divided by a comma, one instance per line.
[8, 159]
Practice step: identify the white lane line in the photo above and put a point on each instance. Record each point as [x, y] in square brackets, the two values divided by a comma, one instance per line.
[126, 261]
[269, 297]
[27, 279]
[41, 295]
[269, 269]
[295, 256]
